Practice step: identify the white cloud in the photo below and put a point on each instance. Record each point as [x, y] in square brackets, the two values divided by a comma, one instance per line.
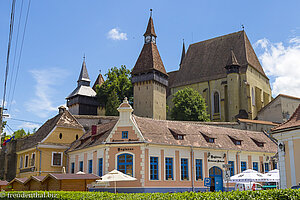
[115, 34]
[28, 125]
[45, 89]
[282, 64]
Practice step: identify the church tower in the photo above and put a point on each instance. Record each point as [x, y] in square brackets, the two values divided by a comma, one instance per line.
[150, 79]
[233, 91]
[83, 100]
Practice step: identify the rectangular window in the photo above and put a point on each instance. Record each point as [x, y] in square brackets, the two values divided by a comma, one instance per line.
[255, 166]
[26, 161]
[32, 161]
[153, 168]
[266, 167]
[231, 169]
[100, 167]
[56, 159]
[184, 169]
[124, 134]
[72, 168]
[199, 169]
[169, 169]
[81, 166]
[21, 162]
[90, 166]
[243, 166]
[275, 165]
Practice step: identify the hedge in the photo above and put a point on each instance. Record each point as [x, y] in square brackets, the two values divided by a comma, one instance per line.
[233, 195]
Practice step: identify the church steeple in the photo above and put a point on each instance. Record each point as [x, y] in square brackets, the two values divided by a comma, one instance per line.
[84, 78]
[150, 35]
[183, 53]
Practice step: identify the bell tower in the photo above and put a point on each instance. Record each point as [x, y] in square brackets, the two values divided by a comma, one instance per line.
[150, 79]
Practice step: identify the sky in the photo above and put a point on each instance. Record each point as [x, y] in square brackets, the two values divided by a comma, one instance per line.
[110, 33]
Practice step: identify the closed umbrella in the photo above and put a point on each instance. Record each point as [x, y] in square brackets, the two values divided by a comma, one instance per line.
[249, 175]
[115, 176]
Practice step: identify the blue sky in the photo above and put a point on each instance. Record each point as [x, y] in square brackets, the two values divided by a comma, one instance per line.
[59, 33]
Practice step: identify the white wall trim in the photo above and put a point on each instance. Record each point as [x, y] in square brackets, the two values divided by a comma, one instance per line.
[292, 162]
[61, 159]
[133, 161]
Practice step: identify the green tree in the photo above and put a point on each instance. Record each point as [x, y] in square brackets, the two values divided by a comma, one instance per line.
[20, 133]
[118, 80]
[189, 105]
[112, 104]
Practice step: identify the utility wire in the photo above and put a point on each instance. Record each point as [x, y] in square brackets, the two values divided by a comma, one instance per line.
[9, 128]
[11, 30]
[20, 54]
[15, 55]
[23, 120]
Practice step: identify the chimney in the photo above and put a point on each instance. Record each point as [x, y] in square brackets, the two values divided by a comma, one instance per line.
[94, 129]
[61, 109]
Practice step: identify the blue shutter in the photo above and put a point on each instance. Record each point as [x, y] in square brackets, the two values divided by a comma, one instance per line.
[243, 166]
[169, 168]
[100, 167]
[72, 168]
[266, 167]
[231, 169]
[255, 166]
[199, 175]
[81, 166]
[184, 169]
[153, 168]
[90, 166]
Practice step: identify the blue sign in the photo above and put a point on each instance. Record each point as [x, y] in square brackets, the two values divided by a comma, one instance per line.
[207, 182]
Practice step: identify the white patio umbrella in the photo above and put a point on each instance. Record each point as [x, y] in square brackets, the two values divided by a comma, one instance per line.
[273, 175]
[115, 176]
[249, 175]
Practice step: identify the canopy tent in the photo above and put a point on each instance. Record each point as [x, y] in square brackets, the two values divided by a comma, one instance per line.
[273, 175]
[249, 175]
[115, 176]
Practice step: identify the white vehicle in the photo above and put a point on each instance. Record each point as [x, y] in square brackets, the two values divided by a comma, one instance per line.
[248, 186]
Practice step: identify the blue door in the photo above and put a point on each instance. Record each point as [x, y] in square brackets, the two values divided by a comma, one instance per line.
[215, 173]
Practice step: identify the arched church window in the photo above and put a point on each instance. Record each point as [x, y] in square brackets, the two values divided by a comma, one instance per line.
[253, 97]
[216, 102]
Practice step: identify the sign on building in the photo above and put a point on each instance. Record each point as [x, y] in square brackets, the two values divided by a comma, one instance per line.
[207, 182]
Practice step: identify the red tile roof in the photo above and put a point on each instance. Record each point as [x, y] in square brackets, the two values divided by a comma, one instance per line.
[72, 176]
[293, 122]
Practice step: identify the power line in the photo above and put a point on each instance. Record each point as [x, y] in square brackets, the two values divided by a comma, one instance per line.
[15, 55]
[10, 128]
[11, 30]
[23, 120]
[20, 54]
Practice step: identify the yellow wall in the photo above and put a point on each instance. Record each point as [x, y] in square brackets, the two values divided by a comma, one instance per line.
[68, 135]
[297, 159]
[235, 94]
[150, 100]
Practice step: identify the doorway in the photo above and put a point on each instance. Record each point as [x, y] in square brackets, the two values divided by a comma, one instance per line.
[216, 175]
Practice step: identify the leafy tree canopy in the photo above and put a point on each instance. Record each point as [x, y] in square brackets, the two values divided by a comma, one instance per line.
[189, 105]
[118, 81]
[112, 104]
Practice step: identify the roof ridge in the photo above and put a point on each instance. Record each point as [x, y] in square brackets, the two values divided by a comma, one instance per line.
[297, 112]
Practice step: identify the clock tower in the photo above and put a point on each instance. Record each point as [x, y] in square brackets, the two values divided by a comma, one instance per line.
[150, 79]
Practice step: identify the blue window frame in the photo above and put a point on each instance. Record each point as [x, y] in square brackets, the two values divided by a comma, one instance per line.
[243, 166]
[266, 167]
[231, 169]
[199, 175]
[275, 165]
[169, 168]
[125, 163]
[81, 166]
[255, 166]
[72, 168]
[100, 167]
[153, 168]
[124, 134]
[184, 169]
[90, 166]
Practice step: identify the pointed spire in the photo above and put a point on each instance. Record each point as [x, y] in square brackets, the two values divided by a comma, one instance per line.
[232, 61]
[150, 27]
[84, 76]
[183, 53]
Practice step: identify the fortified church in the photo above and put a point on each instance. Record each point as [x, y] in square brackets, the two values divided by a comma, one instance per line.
[224, 70]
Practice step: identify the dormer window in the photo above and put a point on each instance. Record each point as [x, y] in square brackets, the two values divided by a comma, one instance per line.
[235, 140]
[208, 137]
[177, 134]
[258, 142]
